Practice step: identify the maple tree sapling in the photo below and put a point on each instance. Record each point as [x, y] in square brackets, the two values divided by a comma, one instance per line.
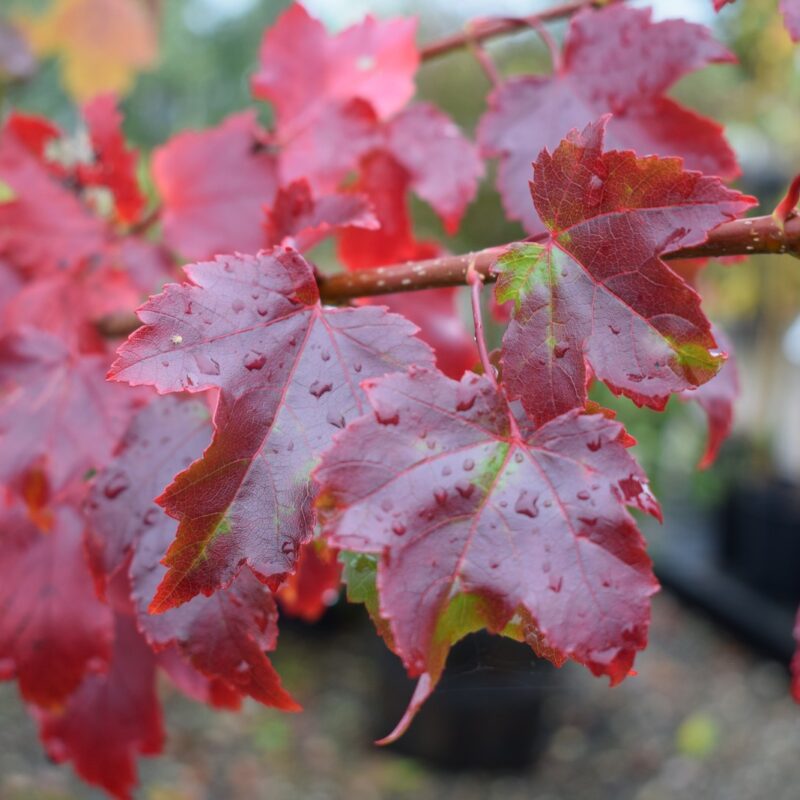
[286, 431]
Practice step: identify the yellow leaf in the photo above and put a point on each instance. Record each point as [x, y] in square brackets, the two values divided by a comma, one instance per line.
[102, 44]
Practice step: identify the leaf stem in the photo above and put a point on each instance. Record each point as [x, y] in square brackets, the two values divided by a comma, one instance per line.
[483, 58]
[475, 282]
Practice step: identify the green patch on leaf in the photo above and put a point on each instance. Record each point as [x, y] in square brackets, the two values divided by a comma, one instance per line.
[7, 193]
[697, 362]
[520, 268]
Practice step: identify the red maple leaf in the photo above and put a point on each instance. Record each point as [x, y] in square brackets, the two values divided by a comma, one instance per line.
[480, 520]
[615, 60]
[68, 303]
[113, 165]
[56, 411]
[791, 17]
[224, 636]
[596, 292]
[53, 629]
[289, 371]
[110, 719]
[44, 226]
[348, 101]
[717, 399]
[374, 61]
[314, 585]
[385, 182]
[300, 220]
[213, 186]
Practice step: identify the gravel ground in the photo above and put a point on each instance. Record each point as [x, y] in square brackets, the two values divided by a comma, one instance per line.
[705, 718]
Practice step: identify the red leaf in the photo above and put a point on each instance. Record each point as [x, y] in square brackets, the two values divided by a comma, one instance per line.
[717, 398]
[596, 291]
[327, 152]
[68, 303]
[44, 227]
[111, 719]
[385, 182]
[114, 165]
[299, 219]
[373, 61]
[223, 636]
[444, 167]
[289, 370]
[479, 518]
[211, 691]
[213, 185]
[441, 325]
[791, 17]
[53, 629]
[33, 132]
[615, 60]
[56, 409]
[315, 583]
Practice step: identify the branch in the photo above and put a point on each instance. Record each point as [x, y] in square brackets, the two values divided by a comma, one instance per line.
[480, 31]
[742, 237]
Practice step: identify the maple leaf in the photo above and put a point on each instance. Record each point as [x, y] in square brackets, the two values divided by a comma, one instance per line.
[301, 220]
[478, 519]
[374, 61]
[33, 132]
[110, 719]
[56, 410]
[147, 264]
[314, 585]
[213, 185]
[791, 17]
[53, 629]
[444, 167]
[436, 312]
[385, 182]
[348, 100]
[329, 103]
[211, 691]
[596, 291]
[43, 226]
[717, 399]
[10, 284]
[102, 44]
[114, 165]
[223, 636]
[616, 60]
[289, 371]
[68, 303]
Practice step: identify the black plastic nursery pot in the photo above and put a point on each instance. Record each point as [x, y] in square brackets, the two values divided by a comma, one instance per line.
[759, 538]
[742, 565]
[487, 713]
